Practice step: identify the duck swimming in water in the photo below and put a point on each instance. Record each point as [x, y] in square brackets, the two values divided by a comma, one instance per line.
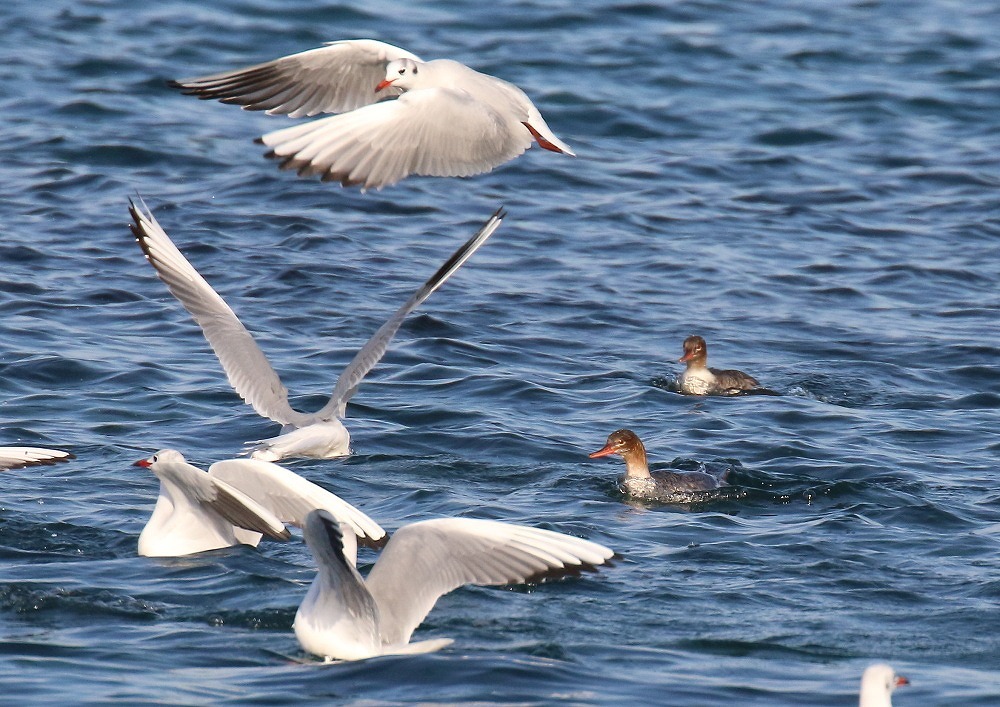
[699, 379]
[659, 485]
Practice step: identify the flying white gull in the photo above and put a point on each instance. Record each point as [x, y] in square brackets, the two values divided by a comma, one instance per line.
[345, 617]
[236, 502]
[317, 434]
[447, 120]
[19, 457]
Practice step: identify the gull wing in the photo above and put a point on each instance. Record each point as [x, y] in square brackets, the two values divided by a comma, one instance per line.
[373, 351]
[438, 132]
[426, 560]
[229, 502]
[246, 366]
[291, 497]
[19, 457]
[335, 78]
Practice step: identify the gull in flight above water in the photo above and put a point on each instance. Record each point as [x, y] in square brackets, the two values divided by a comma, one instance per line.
[345, 617]
[444, 119]
[237, 502]
[20, 457]
[319, 434]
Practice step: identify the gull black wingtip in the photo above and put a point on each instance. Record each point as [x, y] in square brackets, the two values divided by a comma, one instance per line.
[137, 228]
[188, 89]
[133, 211]
[137, 217]
[567, 571]
[56, 460]
[334, 534]
[137, 205]
[372, 543]
[50, 461]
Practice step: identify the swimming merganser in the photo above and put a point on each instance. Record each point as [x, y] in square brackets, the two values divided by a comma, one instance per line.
[658, 485]
[699, 379]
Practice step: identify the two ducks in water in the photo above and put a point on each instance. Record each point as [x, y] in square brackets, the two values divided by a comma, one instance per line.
[240, 501]
[696, 379]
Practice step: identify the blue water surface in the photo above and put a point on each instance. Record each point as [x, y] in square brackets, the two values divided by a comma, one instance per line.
[813, 187]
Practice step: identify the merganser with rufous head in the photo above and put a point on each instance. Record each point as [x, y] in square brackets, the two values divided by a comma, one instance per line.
[638, 481]
[699, 379]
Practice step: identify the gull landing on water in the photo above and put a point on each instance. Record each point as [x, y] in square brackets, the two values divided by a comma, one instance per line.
[20, 457]
[345, 617]
[877, 685]
[237, 502]
[319, 434]
[447, 120]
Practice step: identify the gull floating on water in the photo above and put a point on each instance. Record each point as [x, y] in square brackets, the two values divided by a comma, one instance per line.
[698, 379]
[317, 434]
[236, 502]
[447, 120]
[877, 685]
[345, 617]
[19, 457]
[639, 482]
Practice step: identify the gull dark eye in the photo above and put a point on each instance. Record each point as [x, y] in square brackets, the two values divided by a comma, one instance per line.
[154, 458]
[402, 71]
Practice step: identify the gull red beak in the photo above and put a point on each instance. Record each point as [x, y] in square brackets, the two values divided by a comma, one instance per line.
[383, 83]
[901, 680]
[144, 463]
[603, 451]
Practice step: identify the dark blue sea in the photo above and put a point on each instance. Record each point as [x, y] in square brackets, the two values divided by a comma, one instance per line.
[812, 187]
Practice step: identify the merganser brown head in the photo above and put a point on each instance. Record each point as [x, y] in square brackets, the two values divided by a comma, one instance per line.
[622, 442]
[695, 349]
[629, 446]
